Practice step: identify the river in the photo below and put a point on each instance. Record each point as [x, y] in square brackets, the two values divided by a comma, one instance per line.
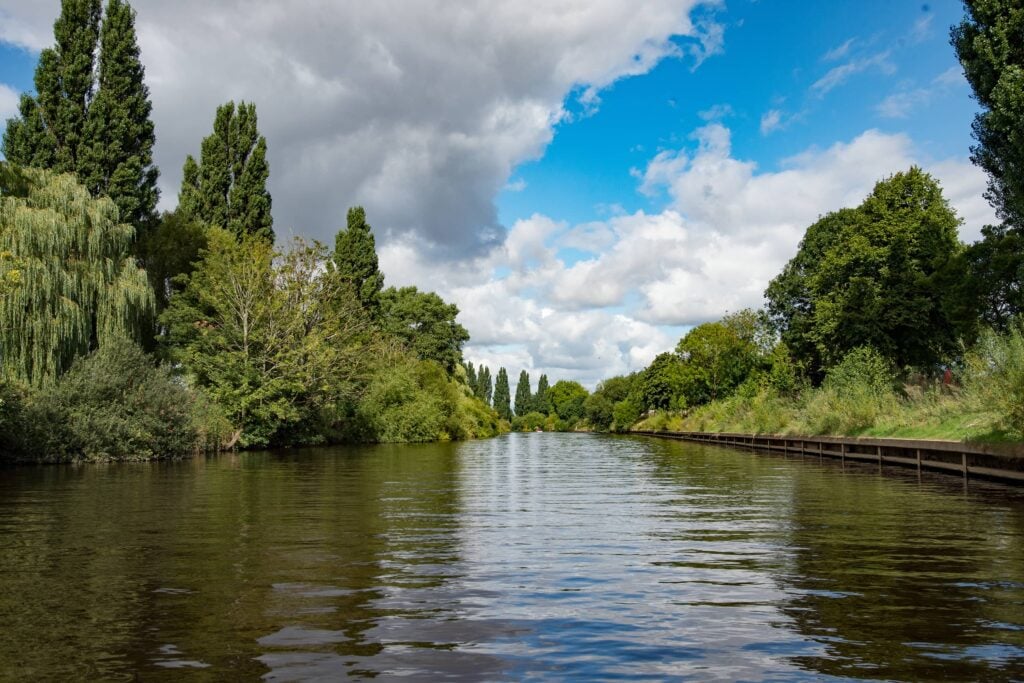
[526, 557]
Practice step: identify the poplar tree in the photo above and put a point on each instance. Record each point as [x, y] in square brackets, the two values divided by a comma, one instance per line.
[49, 131]
[88, 121]
[117, 149]
[227, 187]
[355, 257]
[540, 399]
[78, 288]
[483, 384]
[502, 399]
[524, 400]
[471, 376]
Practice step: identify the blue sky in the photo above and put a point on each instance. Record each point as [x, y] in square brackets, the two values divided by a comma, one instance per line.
[585, 180]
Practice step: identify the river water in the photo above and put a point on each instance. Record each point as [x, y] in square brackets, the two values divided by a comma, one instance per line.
[526, 557]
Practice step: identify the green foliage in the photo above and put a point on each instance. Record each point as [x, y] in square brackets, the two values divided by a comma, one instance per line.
[524, 398]
[471, 378]
[502, 399]
[227, 188]
[872, 276]
[94, 122]
[994, 377]
[599, 411]
[541, 404]
[718, 358]
[113, 405]
[625, 414]
[663, 382]
[484, 386]
[530, 422]
[567, 400]
[425, 323]
[600, 407]
[355, 257]
[169, 251]
[277, 340]
[78, 287]
[407, 400]
[990, 45]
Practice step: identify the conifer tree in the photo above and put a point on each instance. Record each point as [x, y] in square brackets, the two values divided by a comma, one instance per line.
[502, 399]
[524, 400]
[471, 376]
[540, 399]
[117, 148]
[355, 257]
[79, 287]
[227, 187]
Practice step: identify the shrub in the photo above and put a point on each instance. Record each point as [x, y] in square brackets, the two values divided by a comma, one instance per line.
[994, 376]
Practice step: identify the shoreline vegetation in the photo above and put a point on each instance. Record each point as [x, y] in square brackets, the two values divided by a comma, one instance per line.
[126, 334]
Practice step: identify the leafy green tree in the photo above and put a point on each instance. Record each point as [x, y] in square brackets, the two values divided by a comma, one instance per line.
[484, 386]
[599, 411]
[718, 357]
[502, 399]
[600, 406]
[92, 122]
[170, 250]
[524, 398]
[425, 323]
[355, 257]
[471, 379]
[567, 400]
[540, 400]
[279, 341]
[872, 276]
[49, 132]
[663, 382]
[227, 187]
[626, 413]
[990, 45]
[117, 147]
[79, 287]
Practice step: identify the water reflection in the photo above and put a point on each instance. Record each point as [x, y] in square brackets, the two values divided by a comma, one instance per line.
[534, 555]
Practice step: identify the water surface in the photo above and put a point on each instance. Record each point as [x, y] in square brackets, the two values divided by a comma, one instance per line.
[530, 556]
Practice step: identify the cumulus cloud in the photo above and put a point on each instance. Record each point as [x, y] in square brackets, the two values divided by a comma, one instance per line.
[418, 111]
[8, 102]
[727, 229]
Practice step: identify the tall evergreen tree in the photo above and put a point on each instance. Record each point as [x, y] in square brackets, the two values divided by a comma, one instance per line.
[355, 257]
[117, 148]
[227, 187]
[502, 399]
[49, 132]
[524, 399]
[483, 384]
[79, 287]
[471, 376]
[540, 400]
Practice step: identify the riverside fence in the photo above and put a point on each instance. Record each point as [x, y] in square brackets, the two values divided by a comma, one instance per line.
[987, 461]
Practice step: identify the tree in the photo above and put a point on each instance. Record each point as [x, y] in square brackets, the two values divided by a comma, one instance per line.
[169, 251]
[355, 257]
[990, 48]
[49, 132]
[540, 400]
[718, 358]
[92, 122]
[279, 341]
[227, 187]
[873, 277]
[524, 399]
[425, 323]
[501, 396]
[567, 400]
[471, 379]
[483, 384]
[600, 407]
[599, 411]
[662, 383]
[79, 287]
[989, 45]
[117, 154]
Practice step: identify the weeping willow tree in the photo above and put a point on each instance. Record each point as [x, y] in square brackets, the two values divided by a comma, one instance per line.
[78, 286]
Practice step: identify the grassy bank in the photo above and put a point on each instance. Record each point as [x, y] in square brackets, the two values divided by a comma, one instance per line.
[983, 401]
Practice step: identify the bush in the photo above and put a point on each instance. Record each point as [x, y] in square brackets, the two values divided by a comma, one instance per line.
[529, 422]
[113, 405]
[994, 376]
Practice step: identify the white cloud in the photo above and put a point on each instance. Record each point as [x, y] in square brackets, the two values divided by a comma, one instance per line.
[418, 111]
[839, 51]
[771, 121]
[838, 75]
[716, 112]
[901, 103]
[8, 102]
[727, 230]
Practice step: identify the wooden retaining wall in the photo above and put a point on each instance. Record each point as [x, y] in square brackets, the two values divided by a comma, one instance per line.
[1003, 463]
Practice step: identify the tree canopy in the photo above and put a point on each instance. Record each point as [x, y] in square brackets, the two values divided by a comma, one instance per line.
[502, 399]
[355, 257]
[524, 398]
[425, 323]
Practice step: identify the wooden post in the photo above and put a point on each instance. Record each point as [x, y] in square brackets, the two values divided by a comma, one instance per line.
[819, 450]
[963, 457]
[919, 461]
[879, 449]
[842, 453]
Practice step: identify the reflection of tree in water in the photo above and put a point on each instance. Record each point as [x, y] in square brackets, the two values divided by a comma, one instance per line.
[901, 582]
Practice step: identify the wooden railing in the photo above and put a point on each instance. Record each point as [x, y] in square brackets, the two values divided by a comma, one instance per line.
[990, 461]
